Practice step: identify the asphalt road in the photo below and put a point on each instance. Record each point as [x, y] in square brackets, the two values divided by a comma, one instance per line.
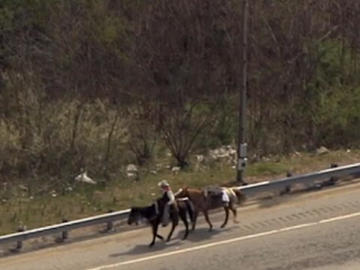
[319, 230]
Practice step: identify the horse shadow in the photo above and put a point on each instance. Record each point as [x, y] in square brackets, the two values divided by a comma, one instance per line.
[143, 249]
[203, 234]
[199, 235]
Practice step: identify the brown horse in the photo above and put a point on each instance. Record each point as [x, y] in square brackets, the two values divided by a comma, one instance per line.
[211, 198]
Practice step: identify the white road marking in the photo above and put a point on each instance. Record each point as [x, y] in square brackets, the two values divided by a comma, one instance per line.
[241, 238]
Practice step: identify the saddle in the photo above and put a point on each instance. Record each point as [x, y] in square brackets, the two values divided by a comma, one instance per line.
[217, 193]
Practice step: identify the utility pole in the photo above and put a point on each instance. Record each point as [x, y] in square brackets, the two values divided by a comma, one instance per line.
[242, 145]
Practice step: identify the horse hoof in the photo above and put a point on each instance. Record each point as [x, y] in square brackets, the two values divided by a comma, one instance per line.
[151, 245]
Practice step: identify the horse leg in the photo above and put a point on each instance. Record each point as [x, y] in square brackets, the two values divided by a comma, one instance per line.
[207, 219]
[154, 227]
[233, 209]
[183, 218]
[226, 208]
[173, 225]
[196, 213]
[191, 210]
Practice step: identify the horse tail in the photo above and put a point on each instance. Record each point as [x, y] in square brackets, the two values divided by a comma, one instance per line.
[239, 195]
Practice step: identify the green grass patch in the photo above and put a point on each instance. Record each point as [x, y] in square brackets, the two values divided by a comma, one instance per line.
[86, 201]
[267, 169]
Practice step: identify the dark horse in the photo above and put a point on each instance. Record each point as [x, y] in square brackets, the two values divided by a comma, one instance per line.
[153, 214]
[210, 198]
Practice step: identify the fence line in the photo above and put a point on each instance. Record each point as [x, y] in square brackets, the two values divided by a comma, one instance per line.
[249, 190]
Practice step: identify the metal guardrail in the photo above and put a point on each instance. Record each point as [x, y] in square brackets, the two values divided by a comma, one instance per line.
[249, 190]
[304, 179]
[66, 226]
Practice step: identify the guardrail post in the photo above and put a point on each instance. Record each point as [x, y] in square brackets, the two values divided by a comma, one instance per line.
[19, 243]
[64, 234]
[333, 179]
[287, 189]
[109, 224]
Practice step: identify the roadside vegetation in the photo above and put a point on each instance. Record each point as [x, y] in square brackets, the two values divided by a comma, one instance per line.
[33, 208]
[102, 84]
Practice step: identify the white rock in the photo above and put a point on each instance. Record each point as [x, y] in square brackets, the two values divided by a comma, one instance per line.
[131, 175]
[200, 158]
[83, 177]
[175, 170]
[220, 153]
[322, 150]
[132, 168]
[132, 171]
